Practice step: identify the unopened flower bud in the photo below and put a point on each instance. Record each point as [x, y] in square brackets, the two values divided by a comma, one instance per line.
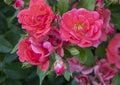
[18, 4]
[74, 51]
[59, 67]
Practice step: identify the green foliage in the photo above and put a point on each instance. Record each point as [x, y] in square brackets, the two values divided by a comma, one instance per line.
[116, 79]
[90, 59]
[88, 4]
[41, 75]
[100, 51]
[63, 6]
[115, 15]
[67, 75]
[5, 46]
[82, 56]
[11, 71]
[73, 51]
[74, 83]
[9, 2]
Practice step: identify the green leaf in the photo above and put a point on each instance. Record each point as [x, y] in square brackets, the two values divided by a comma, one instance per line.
[88, 4]
[13, 71]
[12, 37]
[41, 74]
[67, 75]
[13, 82]
[5, 45]
[74, 83]
[63, 6]
[115, 18]
[100, 51]
[82, 56]
[9, 2]
[10, 57]
[52, 2]
[67, 54]
[12, 74]
[26, 65]
[90, 58]
[16, 46]
[52, 61]
[2, 79]
[3, 22]
[116, 79]
[74, 51]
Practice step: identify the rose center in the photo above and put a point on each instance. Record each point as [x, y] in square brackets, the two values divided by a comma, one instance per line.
[78, 26]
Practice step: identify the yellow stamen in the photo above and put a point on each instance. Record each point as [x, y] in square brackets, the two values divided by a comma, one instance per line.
[78, 26]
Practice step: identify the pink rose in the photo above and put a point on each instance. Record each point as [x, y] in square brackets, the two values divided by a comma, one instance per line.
[81, 27]
[107, 27]
[105, 14]
[75, 66]
[52, 41]
[113, 50]
[36, 19]
[34, 53]
[18, 4]
[59, 67]
[82, 79]
[110, 29]
[55, 39]
[104, 71]
[99, 3]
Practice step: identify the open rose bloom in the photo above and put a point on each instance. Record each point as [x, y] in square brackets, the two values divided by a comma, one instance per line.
[81, 27]
[36, 20]
[50, 34]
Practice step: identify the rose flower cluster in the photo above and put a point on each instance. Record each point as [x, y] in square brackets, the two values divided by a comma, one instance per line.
[49, 33]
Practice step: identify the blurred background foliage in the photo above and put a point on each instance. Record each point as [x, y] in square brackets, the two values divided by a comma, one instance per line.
[11, 71]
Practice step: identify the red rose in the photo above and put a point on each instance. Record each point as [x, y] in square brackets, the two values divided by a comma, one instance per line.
[36, 19]
[35, 54]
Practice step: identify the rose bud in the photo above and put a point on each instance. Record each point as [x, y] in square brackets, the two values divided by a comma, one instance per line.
[18, 4]
[59, 67]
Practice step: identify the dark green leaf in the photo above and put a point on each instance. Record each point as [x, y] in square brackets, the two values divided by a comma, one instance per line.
[67, 75]
[41, 75]
[116, 79]
[52, 2]
[115, 18]
[12, 82]
[12, 74]
[52, 61]
[13, 71]
[5, 45]
[9, 2]
[2, 78]
[100, 50]
[67, 54]
[12, 37]
[3, 23]
[10, 57]
[63, 6]
[74, 83]
[88, 4]
[90, 59]
[82, 56]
